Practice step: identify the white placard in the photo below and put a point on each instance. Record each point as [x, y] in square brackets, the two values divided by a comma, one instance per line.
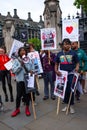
[30, 81]
[60, 84]
[48, 38]
[70, 29]
[35, 58]
[15, 46]
[8, 65]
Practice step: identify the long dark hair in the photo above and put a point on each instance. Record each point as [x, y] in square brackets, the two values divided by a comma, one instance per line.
[20, 51]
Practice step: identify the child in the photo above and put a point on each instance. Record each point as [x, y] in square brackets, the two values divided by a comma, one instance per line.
[19, 71]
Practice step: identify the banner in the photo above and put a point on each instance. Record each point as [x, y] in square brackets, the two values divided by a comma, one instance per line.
[48, 39]
[35, 58]
[70, 29]
[14, 49]
[60, 84]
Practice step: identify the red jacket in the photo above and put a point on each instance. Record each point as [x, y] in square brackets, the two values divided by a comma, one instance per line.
[3, 59]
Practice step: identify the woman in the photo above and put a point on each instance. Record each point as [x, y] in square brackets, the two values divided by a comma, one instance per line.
[4, 73]
[19, 72]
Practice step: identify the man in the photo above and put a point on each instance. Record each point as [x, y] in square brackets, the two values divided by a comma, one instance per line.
[47, 59]
[83, 65]
[68, 61]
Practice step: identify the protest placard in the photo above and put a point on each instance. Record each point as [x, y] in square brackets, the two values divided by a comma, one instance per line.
[60, 84]
[35, 58]
[70, 29]
[48, 38]
[14, 49]
[29, 82]
[8, 65]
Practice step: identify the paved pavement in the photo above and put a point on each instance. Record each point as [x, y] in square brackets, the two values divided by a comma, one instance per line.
[47, 119]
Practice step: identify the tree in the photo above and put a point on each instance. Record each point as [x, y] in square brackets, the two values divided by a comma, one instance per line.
[79, 3]
[36, 42]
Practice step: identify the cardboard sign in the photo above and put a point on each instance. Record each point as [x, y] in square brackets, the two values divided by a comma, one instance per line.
[74, 79]
[8, 65]
[48, 38]
[70, 29]
[60, 84]
[14, 49]
[35, 58]
[29, 82]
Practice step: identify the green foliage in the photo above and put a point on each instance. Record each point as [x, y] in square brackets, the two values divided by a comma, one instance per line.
[36, 42]
[79, 3]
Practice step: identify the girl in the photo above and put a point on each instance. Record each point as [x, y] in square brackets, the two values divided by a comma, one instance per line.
[19, 71]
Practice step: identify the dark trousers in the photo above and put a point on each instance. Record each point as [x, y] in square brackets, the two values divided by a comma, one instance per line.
[48, 78]
[5, 74]
[68, 91]
[21, 92]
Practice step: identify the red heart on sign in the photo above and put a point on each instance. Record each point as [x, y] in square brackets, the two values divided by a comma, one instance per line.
[69, 29]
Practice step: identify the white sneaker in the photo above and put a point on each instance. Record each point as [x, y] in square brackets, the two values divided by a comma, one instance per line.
[64, 109]
[1, 107]
[35, 104]
[72, 111]
[84, 91]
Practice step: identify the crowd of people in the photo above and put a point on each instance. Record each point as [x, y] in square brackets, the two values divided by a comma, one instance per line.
[71, 59]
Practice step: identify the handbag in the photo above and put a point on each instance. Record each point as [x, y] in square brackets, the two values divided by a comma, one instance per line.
[29, 82]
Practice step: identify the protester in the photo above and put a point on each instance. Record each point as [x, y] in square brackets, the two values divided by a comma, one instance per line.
[19, 69]
[5, 74]
[48, 73]
[83, 66]
[67, 60]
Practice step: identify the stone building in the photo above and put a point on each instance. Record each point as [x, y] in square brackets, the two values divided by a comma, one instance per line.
[13, 27]
[21, 29]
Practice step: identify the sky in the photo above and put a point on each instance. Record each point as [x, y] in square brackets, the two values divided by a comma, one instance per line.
[36, 7]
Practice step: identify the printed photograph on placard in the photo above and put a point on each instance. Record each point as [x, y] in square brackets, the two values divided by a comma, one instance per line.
[48, 38]
[60, 84]
[35, 58]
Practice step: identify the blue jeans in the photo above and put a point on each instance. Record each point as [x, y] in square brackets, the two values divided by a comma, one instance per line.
[48, 78]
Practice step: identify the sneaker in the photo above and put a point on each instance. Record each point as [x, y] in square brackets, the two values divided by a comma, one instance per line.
[1, 107]
[84, 91]
[63, 102]
[78, 100]
[53, 97]
[35, 104]
[72, 111]
[64, 109]
[37, 93]
[45, 98]
[15, 113]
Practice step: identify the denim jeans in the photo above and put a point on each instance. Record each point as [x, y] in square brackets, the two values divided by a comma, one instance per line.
[48, 78]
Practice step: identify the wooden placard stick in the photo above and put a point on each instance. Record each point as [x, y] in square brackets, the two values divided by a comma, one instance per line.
[37, 81]
[67, 110]
[33, 106]
[58, 105]
[49, 55]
